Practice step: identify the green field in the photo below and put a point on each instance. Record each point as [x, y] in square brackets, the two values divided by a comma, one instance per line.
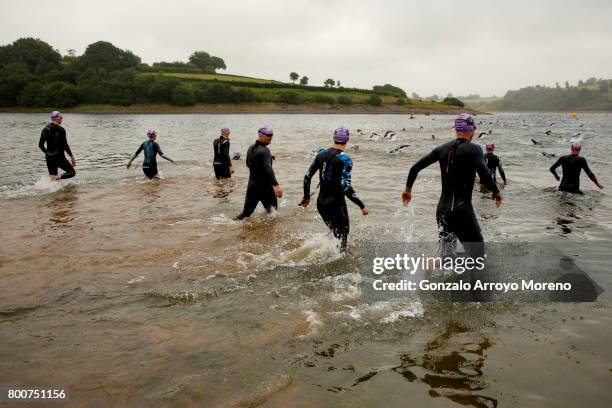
[218, 77]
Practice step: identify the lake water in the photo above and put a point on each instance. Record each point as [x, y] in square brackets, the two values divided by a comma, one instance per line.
[128, 292]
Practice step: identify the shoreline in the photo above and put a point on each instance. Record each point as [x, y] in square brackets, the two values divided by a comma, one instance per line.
[264, 108]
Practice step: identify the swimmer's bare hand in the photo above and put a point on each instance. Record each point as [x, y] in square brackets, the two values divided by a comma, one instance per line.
[598, 184]
[232, 169]
[305, 203]
[73, 161]
[278, 191]
[406, 197]
[128, 166]
[498, 200]
[365, 211]
[173, 162]
[557, 178]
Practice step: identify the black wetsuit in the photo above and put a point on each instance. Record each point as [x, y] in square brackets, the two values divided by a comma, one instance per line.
[459, 161]
[222, 162]
[149, 164]
[54, 137]
[572, 165]
[493, 163]
[334, 169]
[261, 180]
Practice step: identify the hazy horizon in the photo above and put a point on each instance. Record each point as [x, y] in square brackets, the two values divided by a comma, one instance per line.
[468, 48]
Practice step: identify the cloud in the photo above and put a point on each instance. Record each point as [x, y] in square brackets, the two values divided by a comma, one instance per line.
[484, 47]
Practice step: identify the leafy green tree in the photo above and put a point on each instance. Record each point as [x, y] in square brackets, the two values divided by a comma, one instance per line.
[293, 76]
[219, 93]
[567, 85]
[103, 54]
[604, 88]
[183, 95]
[321, 98]
[329, 83]
[400, 101]
[375, 100]
[162, 89]
[30, 95]
[453, 102]
[37, 55]
[13, 78]
[304, 80]
[389, 89]
[338, 83]
[206, 62]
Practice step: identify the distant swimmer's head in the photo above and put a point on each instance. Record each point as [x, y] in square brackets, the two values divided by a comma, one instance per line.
[341, 135]
[464, 125]
[56, 117]
[490, 147]
[151, 134]
[265, 134]
[225, 131]
[576, 147]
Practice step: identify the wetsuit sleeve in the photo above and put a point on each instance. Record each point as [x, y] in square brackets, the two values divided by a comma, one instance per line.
[159, 151]
[553, 168]
[501, 171]
[65, 140]
[43, 139]
[137, 152]
[267, 166]
[588, 171]
[345, 182]
[484, 173]
[225, 153]
[314, 167]
[424, 162]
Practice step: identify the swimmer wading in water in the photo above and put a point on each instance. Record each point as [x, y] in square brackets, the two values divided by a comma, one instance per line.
[334, 167]
[53, 143]
[151, 150]
[572, 164]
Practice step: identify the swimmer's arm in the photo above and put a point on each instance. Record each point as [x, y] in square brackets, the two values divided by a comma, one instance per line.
[589, 173]
[347, 188]
[161, 154]
[424, 162]
[553, 169]
[501, 172]
[66, 147]
[226, 156]
[43, 139]
[314, 167]
[267, 165]
[485, 174]
[137, 153]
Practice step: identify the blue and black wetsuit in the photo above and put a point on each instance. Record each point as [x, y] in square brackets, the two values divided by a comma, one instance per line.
[459, 161]
[149, 164]
[572, 165]
[261, 180]
[334, 167]
[222, 163]
[53, 143]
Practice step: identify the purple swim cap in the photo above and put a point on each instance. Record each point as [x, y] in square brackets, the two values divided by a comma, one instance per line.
[265, 130]
[225, 130]
[576, 146]
[151, 132]
[55, 115]
[490, 147]
[464, 123]
[341, 135]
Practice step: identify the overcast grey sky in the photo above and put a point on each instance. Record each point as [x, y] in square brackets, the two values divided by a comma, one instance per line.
[428, 47]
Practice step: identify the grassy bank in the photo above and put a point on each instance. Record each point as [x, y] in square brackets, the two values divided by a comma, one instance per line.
[253, 108]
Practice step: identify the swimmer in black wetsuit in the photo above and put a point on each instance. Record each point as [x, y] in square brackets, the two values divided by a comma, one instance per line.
[493, 163]
[151, 150]
[459, 161]
[334, 167]
[53, 143]
[572, 165]
[262, 186]
[221, 162]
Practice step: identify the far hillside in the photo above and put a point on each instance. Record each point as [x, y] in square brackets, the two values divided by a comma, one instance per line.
[588, 95]
[35, 75]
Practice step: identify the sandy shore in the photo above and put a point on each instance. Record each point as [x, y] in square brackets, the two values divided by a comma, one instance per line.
[253, 109]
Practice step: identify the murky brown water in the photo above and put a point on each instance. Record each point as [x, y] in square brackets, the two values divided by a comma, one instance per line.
[135, 293]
